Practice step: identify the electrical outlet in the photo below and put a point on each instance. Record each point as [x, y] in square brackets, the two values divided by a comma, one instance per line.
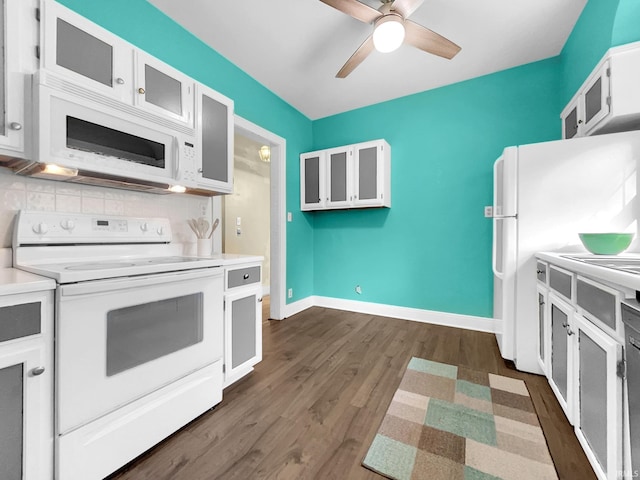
[290, 293]
[488, 211]
[358, 290]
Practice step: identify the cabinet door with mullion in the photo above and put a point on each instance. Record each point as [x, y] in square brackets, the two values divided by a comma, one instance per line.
[598, 413]
[544, 329]
[561, 361]
[312, 180]
[339, 192]
[595, 98]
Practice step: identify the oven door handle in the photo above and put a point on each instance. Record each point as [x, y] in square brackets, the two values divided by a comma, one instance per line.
[128, 283]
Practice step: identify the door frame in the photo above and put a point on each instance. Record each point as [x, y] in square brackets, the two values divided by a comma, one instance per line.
[278, 205]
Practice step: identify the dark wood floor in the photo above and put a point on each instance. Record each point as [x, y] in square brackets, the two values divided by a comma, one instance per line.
[312, 406]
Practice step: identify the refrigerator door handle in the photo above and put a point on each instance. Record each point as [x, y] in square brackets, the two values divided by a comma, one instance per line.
[494, 262]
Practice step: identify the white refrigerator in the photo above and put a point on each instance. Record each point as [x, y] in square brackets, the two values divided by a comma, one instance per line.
[544, 195]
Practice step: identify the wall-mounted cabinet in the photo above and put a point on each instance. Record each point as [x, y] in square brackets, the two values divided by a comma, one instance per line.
[608, 100]
[18, 38]
[80, 50]
[351, 176]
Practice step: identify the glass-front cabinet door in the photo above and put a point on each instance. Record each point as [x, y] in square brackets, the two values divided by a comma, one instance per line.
[372, 174]
[339, 191]
[570, 123]
[18, 33]
[543, 329]
[561, 359]
[20, 421]
[215, 115]
[598, 418]
[77, 48]
[162, 89]
[312, 184]
[595, 99]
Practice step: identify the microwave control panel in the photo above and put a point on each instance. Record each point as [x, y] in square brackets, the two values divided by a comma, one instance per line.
[188, 163]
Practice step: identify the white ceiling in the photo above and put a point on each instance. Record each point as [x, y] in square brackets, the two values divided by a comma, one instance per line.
[295, 47]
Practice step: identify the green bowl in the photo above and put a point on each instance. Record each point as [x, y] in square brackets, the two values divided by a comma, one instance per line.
[606, 243]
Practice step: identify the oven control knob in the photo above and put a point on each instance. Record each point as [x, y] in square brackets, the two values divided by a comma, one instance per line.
[144, 227]
[68, 225]
[40, 228]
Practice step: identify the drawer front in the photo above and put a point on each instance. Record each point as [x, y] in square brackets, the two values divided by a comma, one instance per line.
[597, 302]
[22, 320]
[560, 282]
[243, 276]
[541, 272]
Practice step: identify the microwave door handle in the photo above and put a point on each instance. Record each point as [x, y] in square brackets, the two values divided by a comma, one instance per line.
[176, 157]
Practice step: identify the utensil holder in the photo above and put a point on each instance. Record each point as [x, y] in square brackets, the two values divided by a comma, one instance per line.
[205, 246]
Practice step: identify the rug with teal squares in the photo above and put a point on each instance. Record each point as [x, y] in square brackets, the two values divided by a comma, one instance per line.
[452, 423]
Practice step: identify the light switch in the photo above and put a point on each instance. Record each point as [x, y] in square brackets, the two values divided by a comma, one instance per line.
[289, 217]
[238, 221]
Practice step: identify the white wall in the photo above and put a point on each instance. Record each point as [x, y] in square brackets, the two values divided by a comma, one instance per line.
[17, 193]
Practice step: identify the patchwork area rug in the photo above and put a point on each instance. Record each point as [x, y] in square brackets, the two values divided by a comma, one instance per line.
[447, 422]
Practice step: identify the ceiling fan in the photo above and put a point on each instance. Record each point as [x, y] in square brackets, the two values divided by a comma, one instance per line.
[391, 28]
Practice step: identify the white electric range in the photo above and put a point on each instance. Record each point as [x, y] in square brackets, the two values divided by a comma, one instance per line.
[138, 329]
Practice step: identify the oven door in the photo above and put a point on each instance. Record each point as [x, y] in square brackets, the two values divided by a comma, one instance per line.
[118, 340]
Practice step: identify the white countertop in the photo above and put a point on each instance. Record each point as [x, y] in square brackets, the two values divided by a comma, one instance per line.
[14, 281]
[607, 275]
[237, 259]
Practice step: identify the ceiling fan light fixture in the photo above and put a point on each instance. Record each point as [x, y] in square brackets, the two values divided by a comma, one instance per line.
[388, 33]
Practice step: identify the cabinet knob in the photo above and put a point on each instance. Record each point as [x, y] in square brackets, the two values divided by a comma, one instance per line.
[570, 332]
[37, 371]
[141, 90]
[246, 276]
[15, 126]
[539, 271]
[260, 300]
[580, 122]
[120, 81]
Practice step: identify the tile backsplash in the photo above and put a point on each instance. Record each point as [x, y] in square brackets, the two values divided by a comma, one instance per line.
[18, 193]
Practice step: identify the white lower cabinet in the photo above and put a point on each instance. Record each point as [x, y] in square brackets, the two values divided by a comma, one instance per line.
[598, 399]
[584, 367]
[544, 329]
[26, 387]
[242, 321]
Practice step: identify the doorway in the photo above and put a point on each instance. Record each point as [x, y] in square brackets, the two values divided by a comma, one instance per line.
[249, 136]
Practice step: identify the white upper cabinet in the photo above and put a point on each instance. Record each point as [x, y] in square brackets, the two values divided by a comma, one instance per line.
[312, 180]
[372, 179]
[212, 166]
[18, 39]
[608, 100]
[163, 90]
[351, 176]
[77, 49]
[339, 177]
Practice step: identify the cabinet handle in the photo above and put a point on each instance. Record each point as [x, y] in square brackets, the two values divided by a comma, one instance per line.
[120, 81]
[245, 276]
[539, 271]
[579, 122]
[37, 371]
[260, 300]
[540, 303]
[634, 343]
[141, 90]
[15, 126]
[570, 332]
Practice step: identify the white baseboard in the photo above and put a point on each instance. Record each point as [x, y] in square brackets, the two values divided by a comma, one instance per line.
[469, 322]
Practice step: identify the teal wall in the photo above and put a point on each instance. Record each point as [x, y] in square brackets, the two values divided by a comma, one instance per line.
[149, 29]
[432, 248]
[602, 25]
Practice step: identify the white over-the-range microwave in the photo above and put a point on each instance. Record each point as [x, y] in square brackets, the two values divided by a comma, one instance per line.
[84, 136]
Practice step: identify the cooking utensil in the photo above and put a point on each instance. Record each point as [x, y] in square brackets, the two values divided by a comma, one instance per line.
[214, 226]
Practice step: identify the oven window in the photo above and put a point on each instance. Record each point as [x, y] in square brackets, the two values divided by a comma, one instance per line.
[140, 334]
[90, 137]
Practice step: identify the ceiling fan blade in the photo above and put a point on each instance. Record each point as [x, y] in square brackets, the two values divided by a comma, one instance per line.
[356, 9]
[429, 41]
[357, 58]
[406, 7]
